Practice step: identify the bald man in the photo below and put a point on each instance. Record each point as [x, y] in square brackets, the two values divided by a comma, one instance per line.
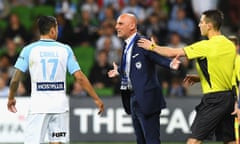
[140, 89]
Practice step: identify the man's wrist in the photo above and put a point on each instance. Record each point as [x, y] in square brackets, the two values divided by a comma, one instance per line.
[117, 73]
[152, 47]
[11, 98]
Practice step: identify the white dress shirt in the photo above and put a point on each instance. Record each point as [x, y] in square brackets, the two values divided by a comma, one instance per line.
[128, 53]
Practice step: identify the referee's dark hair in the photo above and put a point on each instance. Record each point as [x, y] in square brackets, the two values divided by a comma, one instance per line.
[215, 17]
[45, 23]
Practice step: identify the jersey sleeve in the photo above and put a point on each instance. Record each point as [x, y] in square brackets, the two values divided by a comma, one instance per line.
[196, 50]
[22, 61]
[72, 63]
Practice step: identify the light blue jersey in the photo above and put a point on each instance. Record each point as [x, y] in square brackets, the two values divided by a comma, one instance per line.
[47, 62]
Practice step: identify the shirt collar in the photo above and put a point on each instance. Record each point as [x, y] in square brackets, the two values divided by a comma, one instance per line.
[43, 39]
[129, 39]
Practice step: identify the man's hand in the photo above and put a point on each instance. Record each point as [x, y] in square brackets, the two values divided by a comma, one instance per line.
[114, 72]
[189, 80]
[146, 44]
[100, 106]
[236, 111]
[11, 105]
[175, 63]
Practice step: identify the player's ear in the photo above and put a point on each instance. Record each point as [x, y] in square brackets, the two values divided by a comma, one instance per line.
[52, 31]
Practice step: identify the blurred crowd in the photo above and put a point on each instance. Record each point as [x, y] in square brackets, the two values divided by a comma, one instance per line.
[92, 23]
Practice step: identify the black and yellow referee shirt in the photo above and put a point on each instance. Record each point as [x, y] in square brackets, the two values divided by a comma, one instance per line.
[215, 60]
[236, 76]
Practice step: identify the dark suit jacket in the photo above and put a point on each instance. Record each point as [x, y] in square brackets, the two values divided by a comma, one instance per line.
[144, 80]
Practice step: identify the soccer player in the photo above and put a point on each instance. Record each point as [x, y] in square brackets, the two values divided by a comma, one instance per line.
[47, 61]
[215, 59]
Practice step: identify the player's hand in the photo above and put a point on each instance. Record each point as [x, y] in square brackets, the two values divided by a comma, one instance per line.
[11, 105]
[100, 106]
[114, 72]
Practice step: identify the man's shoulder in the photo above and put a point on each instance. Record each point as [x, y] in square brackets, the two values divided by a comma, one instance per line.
[141, 36]
[62, 44]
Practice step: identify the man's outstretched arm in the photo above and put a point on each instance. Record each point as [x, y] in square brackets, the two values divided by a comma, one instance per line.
[164, 51]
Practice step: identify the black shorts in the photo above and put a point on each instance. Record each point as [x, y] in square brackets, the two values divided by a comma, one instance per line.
[214, 117]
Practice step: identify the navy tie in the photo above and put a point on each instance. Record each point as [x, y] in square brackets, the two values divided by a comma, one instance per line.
[124, 58]
[124, 79]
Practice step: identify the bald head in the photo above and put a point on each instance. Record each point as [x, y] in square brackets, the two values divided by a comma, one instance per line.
[126, 25]
[130, 18]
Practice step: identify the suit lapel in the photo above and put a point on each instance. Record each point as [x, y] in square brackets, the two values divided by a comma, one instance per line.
[134, 53]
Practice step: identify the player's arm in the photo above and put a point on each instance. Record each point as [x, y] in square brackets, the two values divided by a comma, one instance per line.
[14, 83]
[164, 51]
[84, 82]
[12, 90]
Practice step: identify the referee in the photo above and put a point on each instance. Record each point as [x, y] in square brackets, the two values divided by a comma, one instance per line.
[215, 59]
[236, 77]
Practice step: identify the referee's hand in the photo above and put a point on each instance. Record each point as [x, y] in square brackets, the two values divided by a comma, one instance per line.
[236, 111]
[11, 105]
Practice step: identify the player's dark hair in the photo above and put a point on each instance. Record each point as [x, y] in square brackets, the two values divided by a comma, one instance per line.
[45, 23]
[215, 17]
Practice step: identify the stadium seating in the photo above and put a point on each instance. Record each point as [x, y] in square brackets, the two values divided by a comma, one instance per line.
[24, 13]
[3, 25]
[85, 55]
[105, 91]
[28, 14]
[42, 10]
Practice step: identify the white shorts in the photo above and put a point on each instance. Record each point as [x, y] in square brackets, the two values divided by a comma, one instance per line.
[56, 126]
